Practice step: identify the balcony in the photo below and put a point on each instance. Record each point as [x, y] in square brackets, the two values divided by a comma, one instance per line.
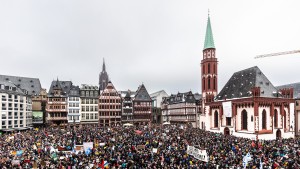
[57, 118]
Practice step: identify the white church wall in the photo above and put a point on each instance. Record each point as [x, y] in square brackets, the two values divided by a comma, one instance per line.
[250, 113]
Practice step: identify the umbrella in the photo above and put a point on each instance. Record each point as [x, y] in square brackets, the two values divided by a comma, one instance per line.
[166, 123]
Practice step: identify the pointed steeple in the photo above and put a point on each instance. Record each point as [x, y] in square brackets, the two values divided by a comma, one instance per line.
[103, 66]
[209, 40]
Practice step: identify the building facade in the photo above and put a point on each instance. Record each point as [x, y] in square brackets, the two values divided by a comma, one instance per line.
[296, 95]
[103, 78]
[34, 89]
[74, 105]
[39, 103]
[180, 108]
[57, 103]
[248, 105]
[89, 96]
[157, 98]
[142, 107]
[15, 105]
[127, 106]
[110, 104]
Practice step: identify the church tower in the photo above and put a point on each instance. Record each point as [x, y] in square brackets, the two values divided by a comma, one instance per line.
[209, 67]
[103, 78]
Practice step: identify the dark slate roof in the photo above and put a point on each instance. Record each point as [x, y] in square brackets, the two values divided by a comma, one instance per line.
[142, 94]
[127, 93]
[5, 88]
[188, 97]
[74, 91]
[241, 83]
[32, 85]
[295, 86]
[197, 96]
[64, 85]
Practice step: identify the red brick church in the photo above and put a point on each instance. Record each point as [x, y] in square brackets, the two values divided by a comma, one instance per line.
[248, 105]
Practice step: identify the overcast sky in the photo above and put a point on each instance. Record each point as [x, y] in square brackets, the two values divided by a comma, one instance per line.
[158, 42]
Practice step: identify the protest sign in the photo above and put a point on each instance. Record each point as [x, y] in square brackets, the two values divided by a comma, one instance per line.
[87, 145]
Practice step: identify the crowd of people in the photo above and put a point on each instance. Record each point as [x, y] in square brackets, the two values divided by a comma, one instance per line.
[140, 147]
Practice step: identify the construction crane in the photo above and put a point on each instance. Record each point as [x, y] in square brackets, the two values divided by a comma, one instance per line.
[277, 54]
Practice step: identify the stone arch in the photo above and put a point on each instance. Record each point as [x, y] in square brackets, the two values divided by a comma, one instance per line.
[278, 134]
[226, 131]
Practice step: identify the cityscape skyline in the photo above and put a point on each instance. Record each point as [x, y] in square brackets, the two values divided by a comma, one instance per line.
[155, 43]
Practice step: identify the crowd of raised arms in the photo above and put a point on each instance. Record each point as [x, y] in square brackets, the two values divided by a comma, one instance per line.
[140, 147]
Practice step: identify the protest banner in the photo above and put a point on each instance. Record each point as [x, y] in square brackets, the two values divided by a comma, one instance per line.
[87, 145]
[140, 147]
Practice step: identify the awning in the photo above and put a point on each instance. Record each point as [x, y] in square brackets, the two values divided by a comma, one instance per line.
[21, 128]
[7, 130]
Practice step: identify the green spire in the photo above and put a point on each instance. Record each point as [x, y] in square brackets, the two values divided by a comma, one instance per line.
[209, 40]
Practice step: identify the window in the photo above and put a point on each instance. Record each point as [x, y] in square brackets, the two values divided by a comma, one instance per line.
[275, 118]
[208, 83]
[96, 116]
[214, 83]
[83, 115]
[203, 83]
[228, 121]
[244, 120]
[264, 119]
[208, 68]
[87, 116]
[216, 119]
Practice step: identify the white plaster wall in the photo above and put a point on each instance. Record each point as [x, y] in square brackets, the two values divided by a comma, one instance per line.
[268, 118]
[238, 119]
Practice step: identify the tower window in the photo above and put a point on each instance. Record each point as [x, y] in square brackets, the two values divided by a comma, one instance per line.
[208, 68]
[208, 85]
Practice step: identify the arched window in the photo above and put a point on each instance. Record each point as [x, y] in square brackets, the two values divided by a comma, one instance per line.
[208, 82]
[203, 84]
[214, 83]
[244, 120]
[208, 68]
[275, 118]
[203, 69]
[215, 69]
[284, 119]
[216, 118]
[264, 119]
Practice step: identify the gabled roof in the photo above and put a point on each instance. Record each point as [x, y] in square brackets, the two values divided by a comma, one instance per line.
[295, 86]
[241, 83]
[142, 94]
[181, 98]
[32, 85]
[209, 40]
[65, 86]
